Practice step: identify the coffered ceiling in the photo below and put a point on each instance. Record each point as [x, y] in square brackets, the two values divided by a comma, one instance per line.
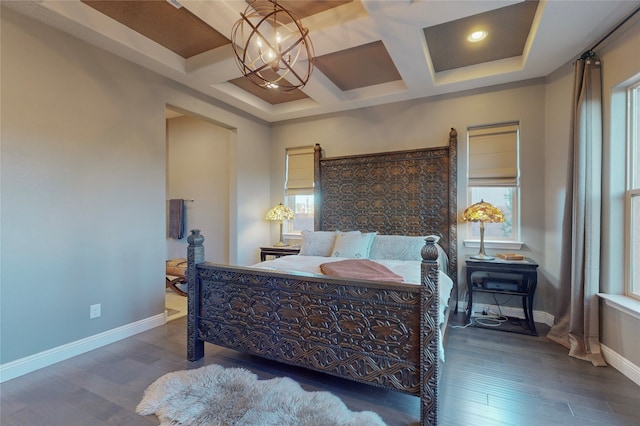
[368, 52]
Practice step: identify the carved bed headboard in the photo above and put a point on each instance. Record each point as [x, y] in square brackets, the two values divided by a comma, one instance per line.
[410, 192]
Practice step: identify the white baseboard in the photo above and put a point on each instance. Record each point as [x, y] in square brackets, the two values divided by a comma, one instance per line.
[621, 364]
[22, 366]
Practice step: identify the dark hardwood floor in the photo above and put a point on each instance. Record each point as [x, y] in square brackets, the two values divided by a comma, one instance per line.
[490, 378]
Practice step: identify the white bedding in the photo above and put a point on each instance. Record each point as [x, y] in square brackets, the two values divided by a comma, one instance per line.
[410, 270]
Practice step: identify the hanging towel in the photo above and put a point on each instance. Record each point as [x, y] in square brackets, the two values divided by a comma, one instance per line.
[176, 218]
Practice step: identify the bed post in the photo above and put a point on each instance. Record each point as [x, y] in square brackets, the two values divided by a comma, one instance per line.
[195, 255]
[453, 212]
[429, 334]
[317, 190]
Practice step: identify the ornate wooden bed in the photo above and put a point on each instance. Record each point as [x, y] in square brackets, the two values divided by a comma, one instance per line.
[381, 333]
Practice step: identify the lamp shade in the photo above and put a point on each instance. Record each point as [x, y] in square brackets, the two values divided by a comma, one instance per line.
[483, 212]
[280, 212]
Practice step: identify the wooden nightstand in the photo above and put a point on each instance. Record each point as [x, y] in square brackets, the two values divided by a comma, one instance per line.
[522, 281]
[277, 251]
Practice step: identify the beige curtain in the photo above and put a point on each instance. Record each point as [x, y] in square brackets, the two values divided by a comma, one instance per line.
[576, 324]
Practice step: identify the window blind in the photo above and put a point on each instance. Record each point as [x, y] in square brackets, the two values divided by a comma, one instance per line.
[299, 178]
[493, 156]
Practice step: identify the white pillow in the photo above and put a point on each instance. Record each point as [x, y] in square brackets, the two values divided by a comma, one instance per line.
[353, 244]
[317, 243]
[398, 247]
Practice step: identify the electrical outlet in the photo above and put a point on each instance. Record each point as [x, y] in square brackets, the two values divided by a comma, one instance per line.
[95, 311]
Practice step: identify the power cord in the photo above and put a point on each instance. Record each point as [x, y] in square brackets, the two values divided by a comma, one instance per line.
[491, 322]
[493, 319]
[462, 326]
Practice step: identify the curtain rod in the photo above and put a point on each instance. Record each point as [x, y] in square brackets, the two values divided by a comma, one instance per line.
[589, 53]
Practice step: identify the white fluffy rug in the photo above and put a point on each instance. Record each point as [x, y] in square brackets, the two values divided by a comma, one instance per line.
[214, 395]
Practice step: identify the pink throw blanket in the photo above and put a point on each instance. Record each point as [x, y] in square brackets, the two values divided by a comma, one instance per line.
[364, 269]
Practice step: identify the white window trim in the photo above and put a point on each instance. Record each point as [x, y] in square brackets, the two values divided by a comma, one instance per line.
[632, 189]
[507, 244]
[619, 301]
[302, 185]
[501, 244]
[623, 303]
[628, 264]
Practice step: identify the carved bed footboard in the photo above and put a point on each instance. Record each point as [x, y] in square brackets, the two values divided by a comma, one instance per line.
[383, 334]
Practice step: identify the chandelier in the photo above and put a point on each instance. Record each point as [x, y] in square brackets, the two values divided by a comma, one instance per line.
[272, 48]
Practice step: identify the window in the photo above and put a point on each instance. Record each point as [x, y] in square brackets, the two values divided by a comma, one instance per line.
[633, 257]
[632, 214]
[299, 188]
[493, 176]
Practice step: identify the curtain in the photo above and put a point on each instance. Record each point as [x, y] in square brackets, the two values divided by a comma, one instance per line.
[576, 323]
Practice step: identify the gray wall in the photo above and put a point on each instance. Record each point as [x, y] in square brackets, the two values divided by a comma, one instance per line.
[198, 169]
[83, 164]
[556, 151]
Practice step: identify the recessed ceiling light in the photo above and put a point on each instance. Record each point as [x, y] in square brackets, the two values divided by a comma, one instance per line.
[477, 36]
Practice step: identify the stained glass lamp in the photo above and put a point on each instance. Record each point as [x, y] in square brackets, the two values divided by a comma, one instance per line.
[482, 212]
[280, 213]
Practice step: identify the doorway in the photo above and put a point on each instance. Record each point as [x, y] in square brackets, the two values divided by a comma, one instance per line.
[197, 172]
